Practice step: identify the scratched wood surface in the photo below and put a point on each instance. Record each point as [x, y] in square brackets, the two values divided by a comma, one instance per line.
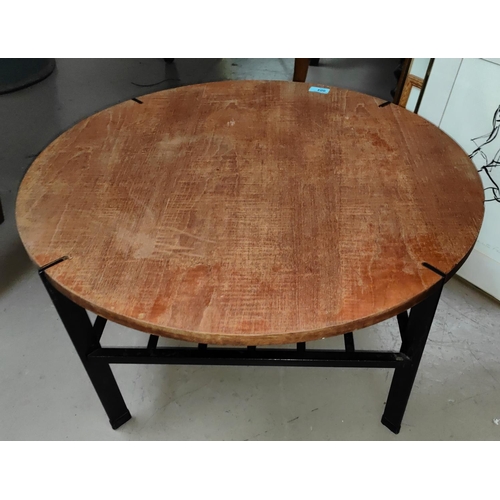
[250, 213]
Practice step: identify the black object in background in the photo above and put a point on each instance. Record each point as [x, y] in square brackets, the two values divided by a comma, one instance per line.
[16, 74]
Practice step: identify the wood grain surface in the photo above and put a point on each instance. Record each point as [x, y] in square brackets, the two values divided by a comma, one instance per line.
[250, 212]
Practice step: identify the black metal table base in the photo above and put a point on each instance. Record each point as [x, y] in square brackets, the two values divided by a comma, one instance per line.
[414, 329]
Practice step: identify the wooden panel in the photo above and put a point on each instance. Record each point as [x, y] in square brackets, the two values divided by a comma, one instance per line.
[410, 82]
[249, 213]
[300, 69]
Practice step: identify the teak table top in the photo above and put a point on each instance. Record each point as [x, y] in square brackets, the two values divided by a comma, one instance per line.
[250, 212]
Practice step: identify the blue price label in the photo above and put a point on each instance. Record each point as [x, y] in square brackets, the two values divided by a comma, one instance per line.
[320, 90]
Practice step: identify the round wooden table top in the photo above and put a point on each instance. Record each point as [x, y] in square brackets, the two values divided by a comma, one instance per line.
[250, 212]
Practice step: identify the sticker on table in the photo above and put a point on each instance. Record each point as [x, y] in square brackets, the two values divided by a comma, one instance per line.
[320, 90]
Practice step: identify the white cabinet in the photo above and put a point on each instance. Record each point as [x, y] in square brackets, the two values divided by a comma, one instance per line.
[462, 97]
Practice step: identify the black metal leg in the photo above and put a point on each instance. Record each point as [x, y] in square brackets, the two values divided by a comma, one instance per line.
[414, 340]
[79, 327]
[153, 341]
[1, 213]
[96, 360]
[403, 323]
[349, 342]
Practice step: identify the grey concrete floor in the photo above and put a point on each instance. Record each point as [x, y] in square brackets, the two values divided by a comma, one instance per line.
[44, 391]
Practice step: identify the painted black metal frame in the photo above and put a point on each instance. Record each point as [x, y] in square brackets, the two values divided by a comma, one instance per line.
[414, 329]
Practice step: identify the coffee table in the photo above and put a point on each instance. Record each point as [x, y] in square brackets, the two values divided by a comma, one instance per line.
[244, 214]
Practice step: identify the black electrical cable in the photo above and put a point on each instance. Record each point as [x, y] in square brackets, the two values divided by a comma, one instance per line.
[495, 162]
[155, 84]
[491, 136]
